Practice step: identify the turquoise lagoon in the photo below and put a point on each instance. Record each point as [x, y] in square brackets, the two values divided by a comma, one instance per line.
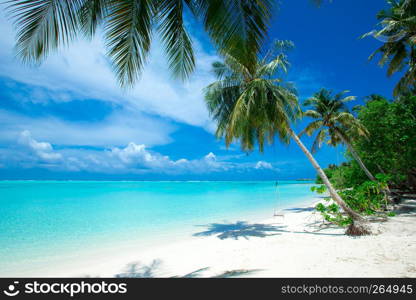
[45, 222]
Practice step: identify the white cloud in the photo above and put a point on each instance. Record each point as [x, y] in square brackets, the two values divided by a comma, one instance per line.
[134, 158]
[43, 150]
[82, 71]
[119, 128]
[138, 156]
[135, 154]
[210, 157]
[263, 165]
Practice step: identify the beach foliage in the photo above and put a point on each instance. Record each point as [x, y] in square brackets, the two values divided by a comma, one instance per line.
[366, 198]
[332, 214]
[389, 151]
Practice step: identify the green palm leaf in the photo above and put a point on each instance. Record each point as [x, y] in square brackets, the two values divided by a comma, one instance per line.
[398, 30]
[236, 26]
[128, 35]
[237, 29]
[43, 26]
[92, 14]
[175, 38]
[319, 139]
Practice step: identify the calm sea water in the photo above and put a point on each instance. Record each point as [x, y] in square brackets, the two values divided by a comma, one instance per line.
[44, 221]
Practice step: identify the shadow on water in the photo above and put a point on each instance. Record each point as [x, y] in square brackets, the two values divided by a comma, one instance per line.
[240, 229]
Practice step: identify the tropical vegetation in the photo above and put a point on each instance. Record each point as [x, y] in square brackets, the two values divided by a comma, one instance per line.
[252, 104]
[389, 152]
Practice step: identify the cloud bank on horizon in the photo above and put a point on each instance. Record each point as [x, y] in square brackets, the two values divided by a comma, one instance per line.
[117, 133]
[133, 159]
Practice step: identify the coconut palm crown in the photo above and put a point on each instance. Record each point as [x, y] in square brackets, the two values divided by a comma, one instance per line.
[334, 123]
[332, 120]
[248, 102]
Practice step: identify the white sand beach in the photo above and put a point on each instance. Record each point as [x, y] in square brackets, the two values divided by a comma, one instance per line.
[293, 245]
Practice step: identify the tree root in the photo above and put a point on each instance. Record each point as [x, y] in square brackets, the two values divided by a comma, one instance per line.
[357, 229]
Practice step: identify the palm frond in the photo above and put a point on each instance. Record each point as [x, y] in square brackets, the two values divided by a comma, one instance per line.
[319, 139]
[397, 31]
[237, 29]
[238, 65]
[312, 114]
[312, 127]
[128, 34]
[92, 14]
[221, 70]
[348, 99]
[43, 26]
[236, 25]
[269, 69]
[177, 42]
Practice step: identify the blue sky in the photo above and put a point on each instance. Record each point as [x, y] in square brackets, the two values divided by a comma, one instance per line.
[68, 119]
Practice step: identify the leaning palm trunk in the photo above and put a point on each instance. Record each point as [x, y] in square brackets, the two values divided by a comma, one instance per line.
[386, 191]
[360, 162]
[356, 156]
[355, 228]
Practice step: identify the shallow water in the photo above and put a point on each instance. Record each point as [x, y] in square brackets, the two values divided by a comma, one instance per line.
[42, 222]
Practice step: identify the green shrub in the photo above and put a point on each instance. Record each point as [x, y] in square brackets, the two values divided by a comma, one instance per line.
[366, 198]
[331, 213]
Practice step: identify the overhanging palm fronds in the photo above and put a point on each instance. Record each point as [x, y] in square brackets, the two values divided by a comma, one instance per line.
[398, 34]
[46, 25]
[236, 25]
[128, 36]
[177, 42]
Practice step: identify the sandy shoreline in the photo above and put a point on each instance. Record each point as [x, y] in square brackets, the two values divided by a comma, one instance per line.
[293, 245]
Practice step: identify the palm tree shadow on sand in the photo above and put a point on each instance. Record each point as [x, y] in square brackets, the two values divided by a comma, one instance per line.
[139, 270]
[154, 270]
[240, 229]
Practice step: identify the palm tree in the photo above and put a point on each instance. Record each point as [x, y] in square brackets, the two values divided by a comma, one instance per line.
[128, 26]
[398, 33]
[333, 120]
[252, 106]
